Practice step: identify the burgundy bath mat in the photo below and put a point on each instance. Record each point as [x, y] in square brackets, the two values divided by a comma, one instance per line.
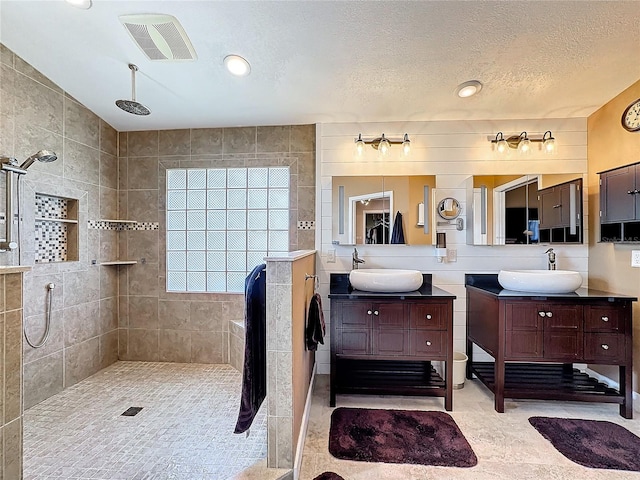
[399, 436]
[592, 443]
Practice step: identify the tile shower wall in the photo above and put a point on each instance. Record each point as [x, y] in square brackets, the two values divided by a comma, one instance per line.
[194, 327]
[36, 114]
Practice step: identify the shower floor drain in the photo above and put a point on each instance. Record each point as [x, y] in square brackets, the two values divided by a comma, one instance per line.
[131, 411]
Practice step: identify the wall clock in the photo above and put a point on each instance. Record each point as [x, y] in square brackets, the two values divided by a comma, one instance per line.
[631, 117]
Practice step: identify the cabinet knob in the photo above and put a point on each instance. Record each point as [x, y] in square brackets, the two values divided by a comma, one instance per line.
[541, 314]
[549, 314]
[631, 192]
[605, 319]
[428, 343]
[557, 206]
[605, 346]
[375, 312]
[368, 312]
[635, 192]
[428, 316]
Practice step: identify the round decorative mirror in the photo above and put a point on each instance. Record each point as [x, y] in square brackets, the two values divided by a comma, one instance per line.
[449, 208]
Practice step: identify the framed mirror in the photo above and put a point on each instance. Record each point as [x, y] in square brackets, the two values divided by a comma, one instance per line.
[365, 209]
[524, 209]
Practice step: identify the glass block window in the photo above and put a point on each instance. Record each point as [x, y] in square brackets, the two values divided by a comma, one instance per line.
[221, 223]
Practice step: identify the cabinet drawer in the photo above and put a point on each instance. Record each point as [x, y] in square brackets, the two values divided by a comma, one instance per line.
[428, 343]
[603, 319]
[428, 316]
[604, 347]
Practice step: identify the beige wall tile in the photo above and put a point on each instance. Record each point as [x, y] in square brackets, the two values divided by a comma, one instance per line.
[108, 139]
[81, 163]
[2, 372]
[12, 365]
[81, 124]
[43, 378]
[38, 105]
[142, 173]
[35, 327]
[143, 244]
[108, 314]
[142, 279]
[123, 344]
[6, 56]
[108, 249]
[142, 144]
[12, 434]
[81, 361]
[123, 150]
[303, 138]
[81, 322]
[108, 170]
[13, 291]
[174, 346]
[174, 142]
[239, 140]
[206, 347]
[206, 141]
[143, 312]
[273, 139]
[108, 203]
[81, 286]
[108, 348]
[174, 315]
[143, 205]
[26, 69]
[123, 311]
[207, 316]
[143, 345]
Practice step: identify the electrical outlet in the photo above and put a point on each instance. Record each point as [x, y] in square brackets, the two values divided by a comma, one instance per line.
[331, 256]
[452, 255]
[635, 258]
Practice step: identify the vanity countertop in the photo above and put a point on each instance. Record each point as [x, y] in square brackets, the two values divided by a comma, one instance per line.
[489, 283]
[341, 288]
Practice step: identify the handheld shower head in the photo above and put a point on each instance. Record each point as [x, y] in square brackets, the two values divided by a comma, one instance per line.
[45, 156]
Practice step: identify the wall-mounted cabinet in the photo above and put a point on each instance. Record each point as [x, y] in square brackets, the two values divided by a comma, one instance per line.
[560, 211]
[620, 204]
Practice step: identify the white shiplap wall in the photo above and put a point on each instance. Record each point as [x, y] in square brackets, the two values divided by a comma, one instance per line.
[452, 151]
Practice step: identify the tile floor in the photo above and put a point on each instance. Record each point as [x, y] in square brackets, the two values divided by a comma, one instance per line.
[506, 445]
[184, 431]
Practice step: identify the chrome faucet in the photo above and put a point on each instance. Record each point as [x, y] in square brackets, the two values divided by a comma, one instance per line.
[356, 260]
[552, 259]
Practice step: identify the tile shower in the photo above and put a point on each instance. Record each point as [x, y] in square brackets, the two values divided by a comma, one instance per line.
[102, 314]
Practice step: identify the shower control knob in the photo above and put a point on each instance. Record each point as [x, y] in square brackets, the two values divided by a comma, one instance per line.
[13, 245]
[51, 286]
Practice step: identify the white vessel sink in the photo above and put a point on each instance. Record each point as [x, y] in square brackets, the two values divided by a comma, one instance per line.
[386, 280]
[540, 281]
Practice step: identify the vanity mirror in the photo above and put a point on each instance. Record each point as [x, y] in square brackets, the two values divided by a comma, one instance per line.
[364, 209]
[524, 209]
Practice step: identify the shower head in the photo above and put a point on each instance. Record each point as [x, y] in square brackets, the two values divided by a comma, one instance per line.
[131, 106]
[44, 156]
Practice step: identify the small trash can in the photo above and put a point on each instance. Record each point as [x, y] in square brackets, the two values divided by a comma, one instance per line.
[459, 369]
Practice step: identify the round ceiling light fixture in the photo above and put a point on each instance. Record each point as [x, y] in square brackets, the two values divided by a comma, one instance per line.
[469, 88]
[86, 4]
[237, 65]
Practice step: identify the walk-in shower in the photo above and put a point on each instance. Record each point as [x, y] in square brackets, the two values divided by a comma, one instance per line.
[12, 169]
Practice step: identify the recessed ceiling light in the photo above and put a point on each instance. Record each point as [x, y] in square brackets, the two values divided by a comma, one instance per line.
[469, 88]
[237, 65]
[86, 4]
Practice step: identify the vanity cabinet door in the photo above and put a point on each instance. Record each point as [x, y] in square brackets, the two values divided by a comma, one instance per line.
[563, 332]
[351, 327]
[389, 329]
[524, 331]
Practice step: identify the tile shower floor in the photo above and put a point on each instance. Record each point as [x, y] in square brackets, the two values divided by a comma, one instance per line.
[184, 431]
[507, 446]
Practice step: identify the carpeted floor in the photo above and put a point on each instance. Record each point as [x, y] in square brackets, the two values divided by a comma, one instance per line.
[399, 436]
[591, 443]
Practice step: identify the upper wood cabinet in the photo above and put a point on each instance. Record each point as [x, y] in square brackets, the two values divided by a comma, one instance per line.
[620, 204]
[560, 212]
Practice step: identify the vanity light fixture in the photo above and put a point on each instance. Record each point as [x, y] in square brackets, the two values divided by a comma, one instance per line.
[523, 143]
[383, 144]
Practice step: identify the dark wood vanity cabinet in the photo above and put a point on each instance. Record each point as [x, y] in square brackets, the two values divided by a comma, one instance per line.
[386, 345]
[620, 204]
[535, 339]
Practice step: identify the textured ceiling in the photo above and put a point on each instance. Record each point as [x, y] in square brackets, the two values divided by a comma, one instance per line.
[317, 61]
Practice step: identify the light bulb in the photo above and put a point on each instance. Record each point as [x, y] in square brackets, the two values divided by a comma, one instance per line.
[406, 145]
[549, 143]
[359, 145]
[383, 146]
[236, 65]
[524, 145]
[502, 147]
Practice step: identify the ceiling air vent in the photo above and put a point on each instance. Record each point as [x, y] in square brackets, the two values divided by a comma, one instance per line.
[160, 37]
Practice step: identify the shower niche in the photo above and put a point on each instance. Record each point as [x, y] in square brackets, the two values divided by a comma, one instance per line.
[56, 229]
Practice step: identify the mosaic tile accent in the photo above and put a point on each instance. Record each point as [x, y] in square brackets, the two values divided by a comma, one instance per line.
[306, 225]
[184, 431]
[51, 242]
[115, 225]
[50, 207]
